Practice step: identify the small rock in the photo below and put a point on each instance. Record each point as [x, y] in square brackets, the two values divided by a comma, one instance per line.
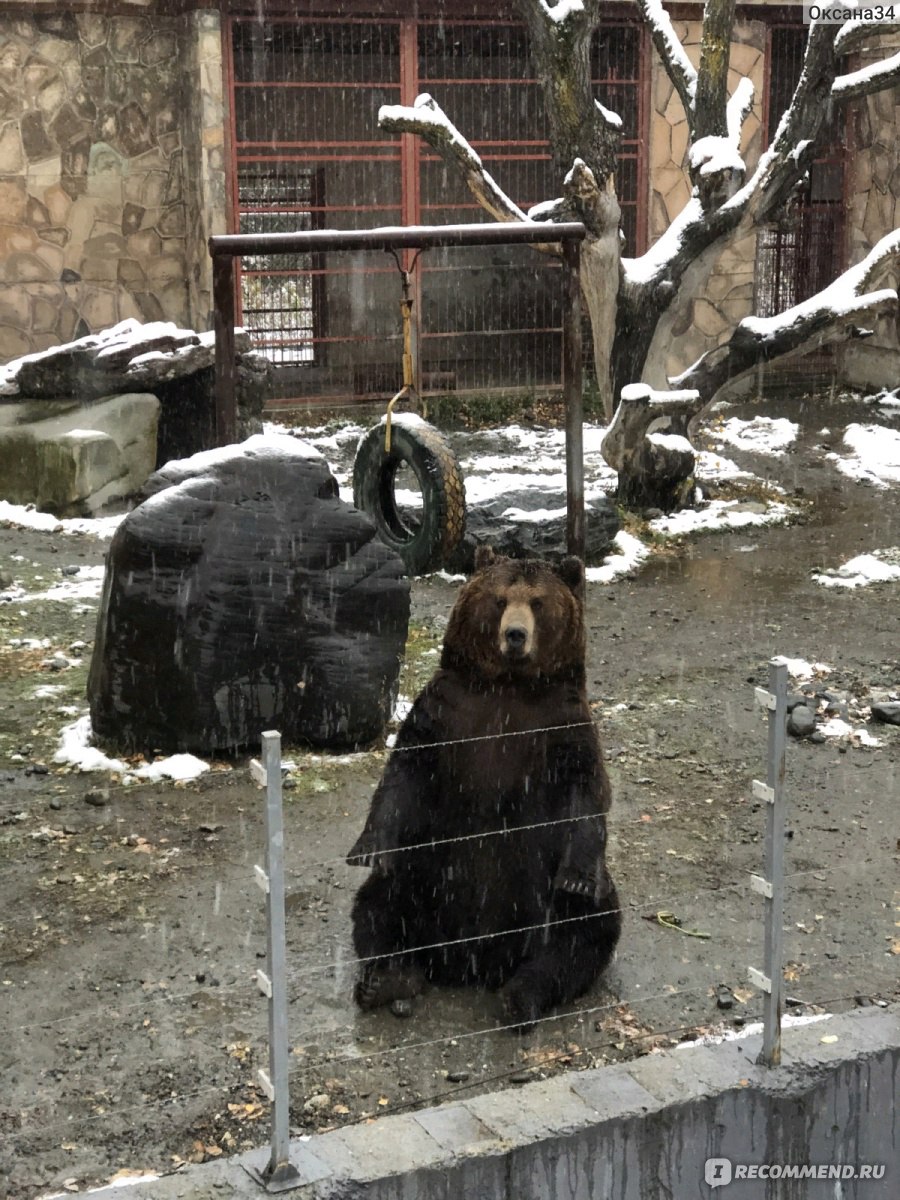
[40, 768]
[888, 713]
[317, 1103]
[724, 996]
[521, 1077]
[796, 698]
[801, 722]
[69, 570]
[97, 797]
[402, 1008]
[56, 804]
[457, 1076]
[818, 737]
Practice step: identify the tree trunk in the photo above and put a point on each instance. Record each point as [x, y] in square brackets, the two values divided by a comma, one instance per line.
[647, 444]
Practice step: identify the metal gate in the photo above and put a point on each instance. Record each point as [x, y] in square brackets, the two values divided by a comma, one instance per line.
[802, 252]
[308, 154]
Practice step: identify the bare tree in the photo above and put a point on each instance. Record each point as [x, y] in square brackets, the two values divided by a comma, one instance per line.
[632, 302]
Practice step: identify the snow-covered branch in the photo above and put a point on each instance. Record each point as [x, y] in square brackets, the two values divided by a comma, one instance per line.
[873, 77]
[430, 122]
[855, 34]
[833, 315]
[678, 66]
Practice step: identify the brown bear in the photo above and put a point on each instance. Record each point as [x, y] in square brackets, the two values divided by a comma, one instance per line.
[487, 833]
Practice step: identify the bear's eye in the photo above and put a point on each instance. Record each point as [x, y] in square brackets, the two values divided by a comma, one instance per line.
[501, 603]
[537, 604]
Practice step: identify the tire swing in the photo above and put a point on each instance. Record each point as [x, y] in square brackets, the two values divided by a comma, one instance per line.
[424, 538]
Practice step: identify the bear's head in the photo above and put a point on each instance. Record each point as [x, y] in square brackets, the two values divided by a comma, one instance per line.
[518, 617]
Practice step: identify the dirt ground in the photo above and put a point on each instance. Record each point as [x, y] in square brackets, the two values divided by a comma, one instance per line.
[131, 925]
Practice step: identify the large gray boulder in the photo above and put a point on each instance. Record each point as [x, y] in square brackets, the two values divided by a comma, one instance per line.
[70, 458]
[242, 595]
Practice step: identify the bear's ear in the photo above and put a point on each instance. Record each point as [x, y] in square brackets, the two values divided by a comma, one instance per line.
[571, 571]
[484, 556]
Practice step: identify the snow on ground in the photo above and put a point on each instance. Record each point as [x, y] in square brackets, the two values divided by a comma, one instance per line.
[75, 750]
[881, 566]
[875, 456]
[803, 671]
[629, 554]
[27, 517]
[762, 435]
[720, 514]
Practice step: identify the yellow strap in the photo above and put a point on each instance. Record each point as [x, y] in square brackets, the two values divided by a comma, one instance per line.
[669, 921]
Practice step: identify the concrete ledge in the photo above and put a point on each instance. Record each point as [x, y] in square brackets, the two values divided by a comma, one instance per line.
[626, 1132]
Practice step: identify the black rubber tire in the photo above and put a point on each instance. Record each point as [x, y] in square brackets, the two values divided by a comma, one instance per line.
[427, 546]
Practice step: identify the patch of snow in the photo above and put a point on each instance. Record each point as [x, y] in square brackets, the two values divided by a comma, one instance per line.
[881, 566]
[711, 155]
[75, 750]
[714, 467]
[87, 586]
[876, 458]
[545, 210]
[800, 669]
[610, 117]
[651, 265]
[402, 708]
[25, 516]
[630, 553]
[886, 399]
[177, 766]
[834, 727]
[718, 514]
[763, 435]
[562, 9]
[755, 1027]
[670, 441]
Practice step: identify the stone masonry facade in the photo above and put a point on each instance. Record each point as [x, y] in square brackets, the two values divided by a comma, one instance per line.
[102, 125]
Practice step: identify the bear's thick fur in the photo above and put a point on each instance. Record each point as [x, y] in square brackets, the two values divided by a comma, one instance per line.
[500, 752]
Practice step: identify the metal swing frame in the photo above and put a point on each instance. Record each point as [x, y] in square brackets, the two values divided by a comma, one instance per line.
[225, 248]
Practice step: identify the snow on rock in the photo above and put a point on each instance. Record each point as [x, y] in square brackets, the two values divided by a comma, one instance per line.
[763, 435]
[835, 727]
[876, 455]
[881, 566]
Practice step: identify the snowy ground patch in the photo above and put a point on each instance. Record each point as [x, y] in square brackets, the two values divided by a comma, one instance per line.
[721, 514]
[75, 750]
[629, 553]
[881, 566]
[875, 457]
[27, 517]
[762, 435]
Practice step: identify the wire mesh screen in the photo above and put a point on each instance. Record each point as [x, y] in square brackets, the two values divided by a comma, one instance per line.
[308, 154]
[802, 252]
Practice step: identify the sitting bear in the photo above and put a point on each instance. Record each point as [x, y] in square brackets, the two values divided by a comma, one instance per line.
[487, 833]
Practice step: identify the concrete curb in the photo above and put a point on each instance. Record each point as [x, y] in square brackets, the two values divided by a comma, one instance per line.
[628, 1132]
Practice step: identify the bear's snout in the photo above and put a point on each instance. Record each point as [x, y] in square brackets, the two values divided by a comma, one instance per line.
[516, 637]
[517, 631]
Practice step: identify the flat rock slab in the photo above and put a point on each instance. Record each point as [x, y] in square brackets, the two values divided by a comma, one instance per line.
[71, 458]
[242, 595]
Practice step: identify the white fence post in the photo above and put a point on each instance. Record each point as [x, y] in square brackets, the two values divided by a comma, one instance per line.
[771, 886]
[280, 1175]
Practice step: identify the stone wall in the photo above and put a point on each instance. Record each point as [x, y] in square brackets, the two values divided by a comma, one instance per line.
[702, 323]
[873, 209]
[92, 144]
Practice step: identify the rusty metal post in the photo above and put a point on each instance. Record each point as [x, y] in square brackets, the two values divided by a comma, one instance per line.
[224, 318]
[574, 401]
